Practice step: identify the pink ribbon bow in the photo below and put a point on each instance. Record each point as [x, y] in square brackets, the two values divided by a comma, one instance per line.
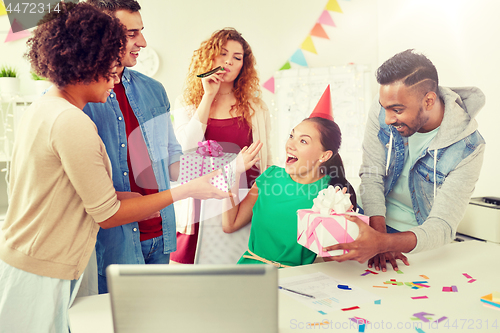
[209, 148]
[340, 234]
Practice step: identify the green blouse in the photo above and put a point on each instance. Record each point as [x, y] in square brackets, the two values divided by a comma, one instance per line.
[273, 234]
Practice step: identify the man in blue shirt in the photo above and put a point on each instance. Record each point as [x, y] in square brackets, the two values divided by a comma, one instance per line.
[135, 126]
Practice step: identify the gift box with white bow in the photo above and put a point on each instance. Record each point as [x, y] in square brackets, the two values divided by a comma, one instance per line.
[207, 158]
[325, 224]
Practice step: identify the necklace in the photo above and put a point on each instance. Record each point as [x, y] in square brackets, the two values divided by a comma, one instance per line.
[219, 94]
[230, 92]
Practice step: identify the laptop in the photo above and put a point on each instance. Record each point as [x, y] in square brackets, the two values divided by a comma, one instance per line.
[194, 298]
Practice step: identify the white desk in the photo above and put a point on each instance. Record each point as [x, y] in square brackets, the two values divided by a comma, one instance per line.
[443, 266]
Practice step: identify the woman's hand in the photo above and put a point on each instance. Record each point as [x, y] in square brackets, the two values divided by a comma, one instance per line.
[211, 84]
[247, 157]
[200, 188]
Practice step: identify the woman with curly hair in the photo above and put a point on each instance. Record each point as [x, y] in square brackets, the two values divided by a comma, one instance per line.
[60, 188]
[225, 106]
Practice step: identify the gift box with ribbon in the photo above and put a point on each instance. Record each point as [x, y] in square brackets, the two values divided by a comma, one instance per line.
[325, 224]
[207, 158]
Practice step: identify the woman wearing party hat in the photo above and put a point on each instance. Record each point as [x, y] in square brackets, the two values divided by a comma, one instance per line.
[312, 164]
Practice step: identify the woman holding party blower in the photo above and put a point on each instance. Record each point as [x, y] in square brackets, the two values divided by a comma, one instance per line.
[224, 105]
[60, 188]
[312, 165]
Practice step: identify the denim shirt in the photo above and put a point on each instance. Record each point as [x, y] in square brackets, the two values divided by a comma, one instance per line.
[422, 175]
[148, 99]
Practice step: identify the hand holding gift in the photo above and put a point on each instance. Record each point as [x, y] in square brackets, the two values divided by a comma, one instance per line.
[326, 223]
[207, 158]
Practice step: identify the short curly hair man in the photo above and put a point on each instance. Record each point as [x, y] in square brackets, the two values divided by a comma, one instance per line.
[65, 53]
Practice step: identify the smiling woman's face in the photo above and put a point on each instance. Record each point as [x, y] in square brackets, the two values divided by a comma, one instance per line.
[304, 150]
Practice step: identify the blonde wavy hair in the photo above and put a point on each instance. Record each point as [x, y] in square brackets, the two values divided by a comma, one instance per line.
[246, 85]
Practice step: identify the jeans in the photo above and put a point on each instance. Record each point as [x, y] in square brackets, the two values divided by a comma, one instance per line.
[152, 250]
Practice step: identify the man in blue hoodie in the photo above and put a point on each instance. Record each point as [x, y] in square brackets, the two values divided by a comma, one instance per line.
[422, 155]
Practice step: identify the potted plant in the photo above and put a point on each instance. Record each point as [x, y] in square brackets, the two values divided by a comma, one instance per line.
[9, 82]
[41, 83]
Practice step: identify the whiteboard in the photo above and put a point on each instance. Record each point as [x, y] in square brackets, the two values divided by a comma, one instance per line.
[297, 92]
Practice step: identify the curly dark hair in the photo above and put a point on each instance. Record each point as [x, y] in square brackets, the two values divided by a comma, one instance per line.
[411, 68]
[111, 6]
[78, 44]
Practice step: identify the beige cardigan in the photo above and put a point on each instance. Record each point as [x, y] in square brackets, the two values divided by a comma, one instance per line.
[190, 131]
[60, 187]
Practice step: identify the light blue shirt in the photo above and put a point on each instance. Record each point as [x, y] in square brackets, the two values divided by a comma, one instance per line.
[148, 100]
[400, 214]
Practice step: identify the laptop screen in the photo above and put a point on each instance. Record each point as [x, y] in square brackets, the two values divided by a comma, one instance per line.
[194, 298]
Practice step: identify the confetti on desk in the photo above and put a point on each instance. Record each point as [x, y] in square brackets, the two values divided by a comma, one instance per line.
[399, 271]
[419, 330]
[367, 271]
[359, 320]
[450, 289]
[361, 323]
[467, 275]
[424, 276]
[351, 308]
[422, 316]
[343, 286]
[378, 301]
[471, 280]
[492, 299]
[420, 297]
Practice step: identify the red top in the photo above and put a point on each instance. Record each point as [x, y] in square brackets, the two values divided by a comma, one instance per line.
[232, 135]
[141, 175]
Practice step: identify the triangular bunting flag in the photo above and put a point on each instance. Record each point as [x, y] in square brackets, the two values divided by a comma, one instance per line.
[308, 45]
[12, 36]
[286, 66]
[269, 84]
[298, 58]
[333, 6]
[326, 19]
[3, 11]
[318, 31]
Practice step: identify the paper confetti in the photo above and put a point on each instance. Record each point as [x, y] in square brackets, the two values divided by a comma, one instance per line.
[380, 287]
[472, 280]
[351, 308]
[378, 301]
[454, 289]
[421, 316]
[424, 276]
[467, 275]
[343, 286]
[419, 297]
[419, 330]
[421, 285]
[447, 289]
[440, 319]
[359, 320]
[399, 271]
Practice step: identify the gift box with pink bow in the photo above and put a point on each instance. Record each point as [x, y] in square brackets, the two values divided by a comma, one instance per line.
[325, 224]
[207, 158]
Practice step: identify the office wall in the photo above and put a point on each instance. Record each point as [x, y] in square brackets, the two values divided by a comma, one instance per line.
[459, 36]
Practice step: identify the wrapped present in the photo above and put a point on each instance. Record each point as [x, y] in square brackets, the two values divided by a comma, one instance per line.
[207, 158]
[325, 224]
